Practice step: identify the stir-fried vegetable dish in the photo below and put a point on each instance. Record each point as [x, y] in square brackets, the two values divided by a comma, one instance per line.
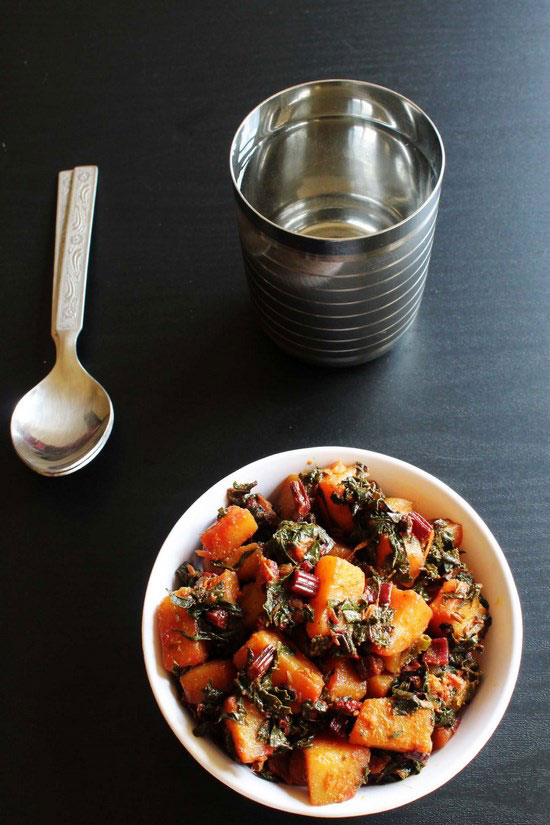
[330, 638]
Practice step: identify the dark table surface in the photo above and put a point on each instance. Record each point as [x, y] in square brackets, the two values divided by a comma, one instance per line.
[152, 93]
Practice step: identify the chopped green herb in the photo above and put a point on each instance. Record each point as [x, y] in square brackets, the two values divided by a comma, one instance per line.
[276, 701]
[282, 609]
[298, 542]
[361, 624]
[198, 602]
[310, 480]
[262, 510]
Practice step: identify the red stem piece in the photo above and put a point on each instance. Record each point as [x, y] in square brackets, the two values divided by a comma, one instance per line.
[305, 584]
[384, 595]
[219, 618]
[438, 652]
[261, 664]
[371, 665]
[420, 527]
[301, 499]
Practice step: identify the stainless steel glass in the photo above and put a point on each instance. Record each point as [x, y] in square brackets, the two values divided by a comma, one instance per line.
[337, 185]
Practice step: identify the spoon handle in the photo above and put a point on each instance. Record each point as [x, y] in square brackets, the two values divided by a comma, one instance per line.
[64, 181]
[72, 248]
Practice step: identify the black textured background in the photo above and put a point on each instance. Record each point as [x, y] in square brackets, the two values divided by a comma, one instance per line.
[151, 92]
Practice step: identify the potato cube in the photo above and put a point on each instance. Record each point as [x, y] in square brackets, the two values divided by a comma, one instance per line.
[173, 623]
[225, 586]
[411, 619]
[455, 529]
[451, 688]
[399, 505]
[335, 770]
[441, 736]
[338, 580]
[416, 555]
[380, 726]
[394, 662]
[244, 733]
[451, 606]
[378, 686]
[293, 501]
[229, 532]
[252, 603]
[246, 569]
[339, 515]
[344, 681]
[293, 669]
[218, 672]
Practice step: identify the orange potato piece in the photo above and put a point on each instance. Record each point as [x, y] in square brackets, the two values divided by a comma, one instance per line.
[219, 672]
[416, 555]
[378, 726]
[393, 662]
[247, 569]
[176, 649]
[399, 505]
[338, 471]
[339, 580]
[451, 688]
[465, 617]
[411, 619]
[331, 482]
[293, 669]
[455, 529]
[338, 515]
[245, 734]
[441, 736]
[232, 530]
[226, 584]
[383, 550]
[252, 603]
[335, 770]
[378, 686]
[344, 681]
[459, 689]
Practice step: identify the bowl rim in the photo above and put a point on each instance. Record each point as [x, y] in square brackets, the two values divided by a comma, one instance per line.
[295, 806]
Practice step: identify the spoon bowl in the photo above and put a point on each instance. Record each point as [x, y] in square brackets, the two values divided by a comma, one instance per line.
[62, 423]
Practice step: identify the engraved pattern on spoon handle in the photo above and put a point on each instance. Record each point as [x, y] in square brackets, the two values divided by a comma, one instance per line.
[74, 251]
[64, 180]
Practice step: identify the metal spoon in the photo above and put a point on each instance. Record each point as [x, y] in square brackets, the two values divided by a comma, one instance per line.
[63, 422]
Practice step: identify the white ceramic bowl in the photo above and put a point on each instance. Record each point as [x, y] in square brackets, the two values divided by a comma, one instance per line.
[487, 562]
